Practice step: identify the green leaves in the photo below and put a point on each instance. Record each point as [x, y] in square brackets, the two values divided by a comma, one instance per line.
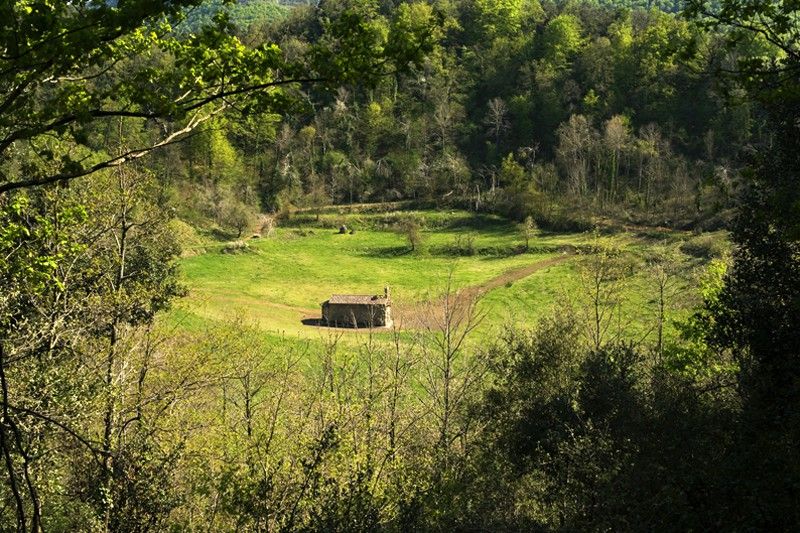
[503, 18]
[765, 35]
[561, 39]
[34, 246]
[413, 32]
[90, 63]
[359, 45]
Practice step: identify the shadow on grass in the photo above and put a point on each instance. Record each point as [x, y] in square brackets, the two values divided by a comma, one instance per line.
[387, 251]
[454, 250]
[482, 223]
[457, 250]
[319, 323]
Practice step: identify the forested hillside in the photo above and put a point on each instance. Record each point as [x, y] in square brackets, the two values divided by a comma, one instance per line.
[522, 108]
[582, 215]
[242, 15]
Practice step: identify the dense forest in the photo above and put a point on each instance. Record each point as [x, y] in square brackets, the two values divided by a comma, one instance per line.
[126, 125]
[519, 108]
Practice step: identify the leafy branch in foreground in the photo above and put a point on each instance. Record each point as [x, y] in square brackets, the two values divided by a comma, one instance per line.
[67, 69]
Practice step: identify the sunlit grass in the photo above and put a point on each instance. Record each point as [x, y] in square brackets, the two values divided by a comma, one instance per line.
[285, 276]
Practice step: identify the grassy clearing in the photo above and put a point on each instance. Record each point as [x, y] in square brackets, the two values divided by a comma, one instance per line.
[283, 278]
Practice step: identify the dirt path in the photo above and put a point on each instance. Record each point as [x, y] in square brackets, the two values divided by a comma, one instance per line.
[518, 273]
[421, 315]
[425, 315]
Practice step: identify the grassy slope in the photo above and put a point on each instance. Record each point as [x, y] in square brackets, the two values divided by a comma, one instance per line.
[287, 275]
[301, 271]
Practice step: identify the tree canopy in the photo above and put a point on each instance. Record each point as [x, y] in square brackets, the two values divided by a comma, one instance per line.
[69, 68]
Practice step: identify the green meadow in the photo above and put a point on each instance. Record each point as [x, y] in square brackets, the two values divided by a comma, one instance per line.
[281, 278]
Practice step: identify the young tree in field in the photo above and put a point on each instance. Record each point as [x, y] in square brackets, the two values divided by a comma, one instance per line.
[602, 280]
[401, 361]
[664, 268]
[449, 375]
[527, 230]
[411, 229]
[254, 389]
[238, 216]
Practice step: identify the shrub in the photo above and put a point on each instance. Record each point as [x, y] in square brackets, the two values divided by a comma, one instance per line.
[267, 224]
[187, 238]
[464, 245]
[563, 220]
[705, 246]
[235, 247]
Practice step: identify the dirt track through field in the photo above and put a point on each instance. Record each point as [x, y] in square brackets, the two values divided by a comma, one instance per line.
[424, 315]
[517, 274]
